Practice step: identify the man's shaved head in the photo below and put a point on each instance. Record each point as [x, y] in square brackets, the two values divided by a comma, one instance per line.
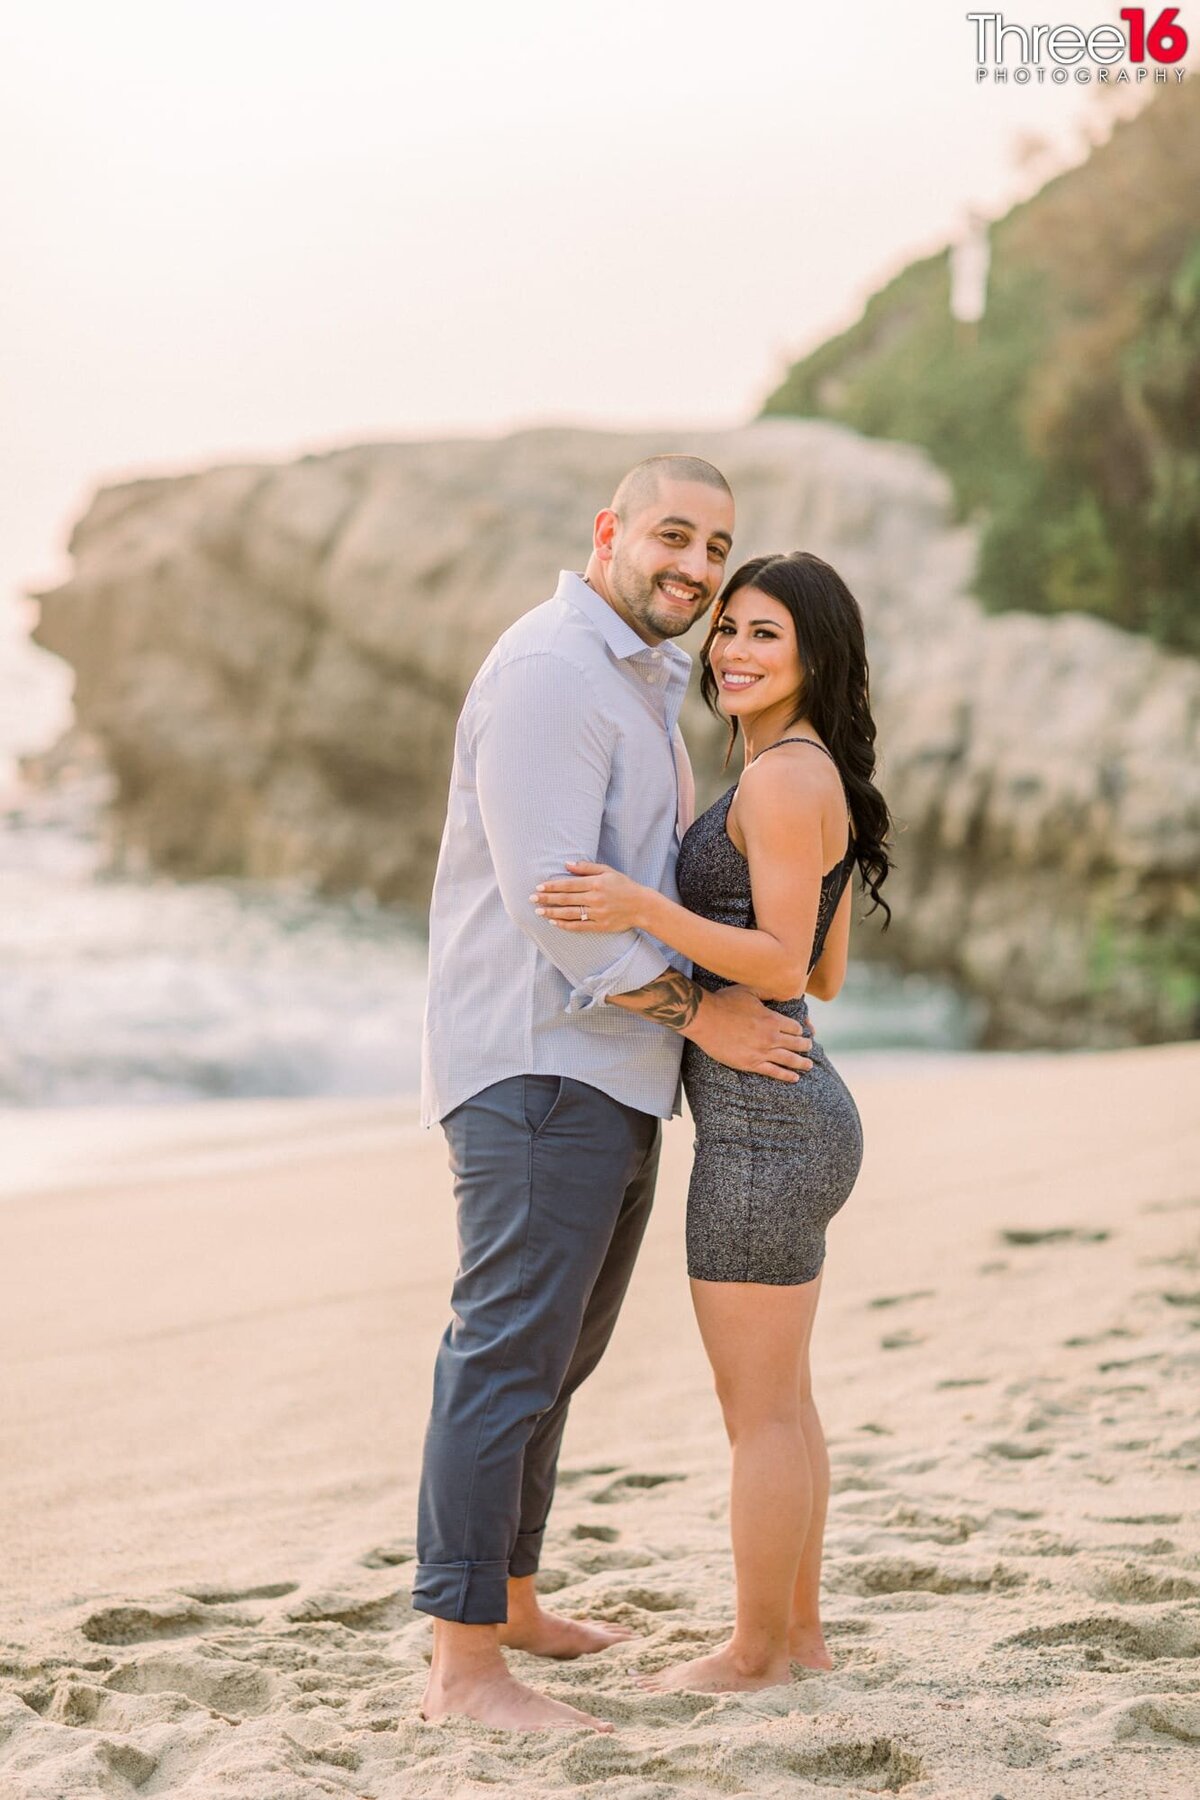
[640, 488]
[659, 551]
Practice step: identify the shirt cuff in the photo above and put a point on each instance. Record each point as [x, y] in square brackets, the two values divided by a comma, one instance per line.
[642, 962]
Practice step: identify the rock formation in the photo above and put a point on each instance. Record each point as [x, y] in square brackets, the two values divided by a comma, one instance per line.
[273, 659]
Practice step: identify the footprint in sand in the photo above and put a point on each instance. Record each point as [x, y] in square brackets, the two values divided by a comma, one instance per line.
[898, 1575]
[1152, 1716]
[1037, 1541]
[851, 1481]
[621, 1488]
[1132, 1584]
[602, 1534]
[877, 1764]
[604, 1559]
[132, 1624]
[387, 1556]
[1021, 1237]
[902, 1299]
[1134, 1518]
[940, 1528]
[655, 1600]
[1100, 1635]
[125, 1761]
[569, 1477]
[358, 1612]
[901, 1340]
[216, 1596]
[1009, 1451]
[235, 1690]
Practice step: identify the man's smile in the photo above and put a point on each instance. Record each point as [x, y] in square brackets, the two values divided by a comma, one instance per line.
[682, 596]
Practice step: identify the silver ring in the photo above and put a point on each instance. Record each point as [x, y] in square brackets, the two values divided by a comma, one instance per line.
[583, 915]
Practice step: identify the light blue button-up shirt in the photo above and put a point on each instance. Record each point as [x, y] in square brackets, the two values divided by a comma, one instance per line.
[567, 746]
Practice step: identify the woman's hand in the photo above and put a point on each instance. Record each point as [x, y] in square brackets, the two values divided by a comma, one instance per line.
[592, 898]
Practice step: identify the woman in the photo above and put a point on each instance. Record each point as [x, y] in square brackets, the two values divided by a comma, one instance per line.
[764, 876]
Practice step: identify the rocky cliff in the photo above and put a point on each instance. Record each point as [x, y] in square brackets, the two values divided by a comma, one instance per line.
[273, 658]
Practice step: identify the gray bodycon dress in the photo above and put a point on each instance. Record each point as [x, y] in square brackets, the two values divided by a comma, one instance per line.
[774, 1160]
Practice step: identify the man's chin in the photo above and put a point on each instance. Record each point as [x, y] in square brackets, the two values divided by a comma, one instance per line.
[673, 623]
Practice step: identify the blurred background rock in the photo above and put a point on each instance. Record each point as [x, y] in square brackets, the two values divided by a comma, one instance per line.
[269, 660]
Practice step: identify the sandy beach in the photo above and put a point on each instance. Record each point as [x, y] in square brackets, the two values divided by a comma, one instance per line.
[218, 1325]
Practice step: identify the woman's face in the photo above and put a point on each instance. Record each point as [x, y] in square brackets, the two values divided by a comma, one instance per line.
[754, 656]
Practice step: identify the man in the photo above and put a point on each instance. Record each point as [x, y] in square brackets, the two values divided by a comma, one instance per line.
[550, 1057]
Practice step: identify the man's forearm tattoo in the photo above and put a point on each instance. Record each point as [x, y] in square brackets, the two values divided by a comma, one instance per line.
[671, 999]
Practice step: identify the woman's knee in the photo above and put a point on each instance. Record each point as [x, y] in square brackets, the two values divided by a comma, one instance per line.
[747, 1405]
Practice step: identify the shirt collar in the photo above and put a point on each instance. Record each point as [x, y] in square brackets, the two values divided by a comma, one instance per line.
[620, 637]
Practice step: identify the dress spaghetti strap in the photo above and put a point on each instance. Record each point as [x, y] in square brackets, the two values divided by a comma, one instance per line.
[796, 740]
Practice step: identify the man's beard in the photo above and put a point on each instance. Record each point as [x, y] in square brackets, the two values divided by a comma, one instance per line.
[640, 594]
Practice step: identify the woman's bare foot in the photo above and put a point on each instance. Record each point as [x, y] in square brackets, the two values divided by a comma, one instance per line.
[548, 1634]
[726, 1671]
[807, 1646]
[495, 1697]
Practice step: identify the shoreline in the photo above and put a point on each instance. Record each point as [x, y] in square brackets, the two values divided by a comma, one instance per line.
[62, 1148]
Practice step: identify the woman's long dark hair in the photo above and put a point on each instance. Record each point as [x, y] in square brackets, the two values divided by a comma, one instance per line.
[836, 691]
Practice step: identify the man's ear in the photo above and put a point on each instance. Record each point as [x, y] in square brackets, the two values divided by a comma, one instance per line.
[603, 532]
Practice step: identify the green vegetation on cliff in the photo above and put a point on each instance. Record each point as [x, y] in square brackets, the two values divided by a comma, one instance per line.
[1071, 419]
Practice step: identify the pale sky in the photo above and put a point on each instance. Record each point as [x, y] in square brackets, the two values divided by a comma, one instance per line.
[253, 229]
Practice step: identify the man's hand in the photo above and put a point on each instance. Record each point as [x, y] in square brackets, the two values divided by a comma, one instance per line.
[732, 1025]
[735, 1028]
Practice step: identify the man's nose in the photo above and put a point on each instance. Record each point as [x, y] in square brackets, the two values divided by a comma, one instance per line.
[694, 564]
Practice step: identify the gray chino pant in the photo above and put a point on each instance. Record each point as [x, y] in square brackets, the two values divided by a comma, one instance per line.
[554, 1182]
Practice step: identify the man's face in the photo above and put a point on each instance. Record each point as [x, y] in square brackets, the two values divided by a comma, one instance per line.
[668, 561]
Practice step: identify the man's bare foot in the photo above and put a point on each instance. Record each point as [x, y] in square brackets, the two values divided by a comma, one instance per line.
[726, 1671]
[548, 1634]
[807, 1646]
[495, 1697]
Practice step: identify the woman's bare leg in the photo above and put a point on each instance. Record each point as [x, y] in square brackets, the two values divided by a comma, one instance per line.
[757, 1339]
[806, 1638]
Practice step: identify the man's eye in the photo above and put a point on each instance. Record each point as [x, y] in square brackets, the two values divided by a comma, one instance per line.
[673, 537]
[718, 552]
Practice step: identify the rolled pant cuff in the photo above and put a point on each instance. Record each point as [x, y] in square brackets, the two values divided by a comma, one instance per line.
[527, 1553]
[468, 1593]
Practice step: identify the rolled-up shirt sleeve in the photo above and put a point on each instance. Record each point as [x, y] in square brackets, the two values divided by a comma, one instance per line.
[542, 762]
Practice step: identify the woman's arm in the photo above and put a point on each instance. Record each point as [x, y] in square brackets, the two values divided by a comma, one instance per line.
[780, 803]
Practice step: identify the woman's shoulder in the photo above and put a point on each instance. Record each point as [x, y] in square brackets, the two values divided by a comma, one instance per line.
[787, 769]
[781, 793]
